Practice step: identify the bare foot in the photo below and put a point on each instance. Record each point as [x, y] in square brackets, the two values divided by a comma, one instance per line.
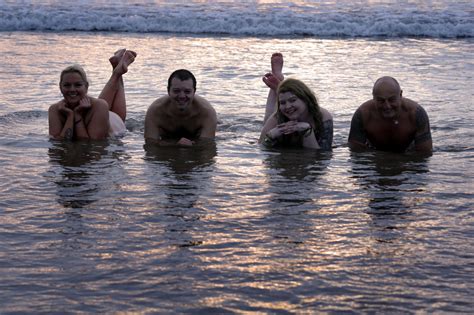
[277, 65]
[115, 59]
[127, 58]
[271, 81]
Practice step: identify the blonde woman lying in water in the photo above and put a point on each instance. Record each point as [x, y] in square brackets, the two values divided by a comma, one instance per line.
[80, 116]
[298, 120]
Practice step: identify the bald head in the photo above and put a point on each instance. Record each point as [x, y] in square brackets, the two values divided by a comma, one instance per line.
[386, 83]
[387, 97]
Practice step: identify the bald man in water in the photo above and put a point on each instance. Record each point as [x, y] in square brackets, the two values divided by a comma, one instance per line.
[390, 122]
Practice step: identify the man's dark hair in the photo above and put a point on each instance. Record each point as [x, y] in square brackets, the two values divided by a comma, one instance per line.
[183, 75]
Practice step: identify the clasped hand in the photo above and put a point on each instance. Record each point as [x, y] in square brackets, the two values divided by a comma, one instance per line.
[185, 142]
[288, 128]
[84, 104]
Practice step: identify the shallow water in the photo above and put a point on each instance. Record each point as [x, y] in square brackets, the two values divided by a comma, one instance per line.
[109, 226]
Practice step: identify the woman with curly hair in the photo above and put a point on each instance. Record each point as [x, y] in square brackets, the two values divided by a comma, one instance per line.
[298, 121]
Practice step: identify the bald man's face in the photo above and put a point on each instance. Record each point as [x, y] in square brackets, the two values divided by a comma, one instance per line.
[388, 99]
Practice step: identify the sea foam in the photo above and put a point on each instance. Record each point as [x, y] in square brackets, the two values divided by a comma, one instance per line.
[440, 19]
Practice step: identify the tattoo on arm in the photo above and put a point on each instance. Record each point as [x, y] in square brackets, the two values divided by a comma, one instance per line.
[325, 141]
[357, 132]
[423, 132]
[68, 135]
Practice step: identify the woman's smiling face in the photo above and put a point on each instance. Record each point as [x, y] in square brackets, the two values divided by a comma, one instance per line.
[73, 88]
[291, 106]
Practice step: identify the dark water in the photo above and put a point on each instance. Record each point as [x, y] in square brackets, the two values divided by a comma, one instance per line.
[103, 229]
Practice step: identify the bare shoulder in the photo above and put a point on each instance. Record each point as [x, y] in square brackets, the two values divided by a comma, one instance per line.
[409, 102]
[366, 110]
[98, 102]
[367, 106]
[326, 114]
[202, 102]
[159, 104]
[54, 107]
[204, 105]
[410, 105]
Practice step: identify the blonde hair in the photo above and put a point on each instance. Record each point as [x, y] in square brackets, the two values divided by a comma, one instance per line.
[74, 69]
[304, 93]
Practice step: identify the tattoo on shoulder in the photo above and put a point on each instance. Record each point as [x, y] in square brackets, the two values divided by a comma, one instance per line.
[426, 136]
[69, 134]
[326, 138]
[421, 117]
[423, 132]
[357, 132]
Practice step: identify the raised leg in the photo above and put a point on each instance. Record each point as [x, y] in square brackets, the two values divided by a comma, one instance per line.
[114, 91]
[277, 66]
[272, 80]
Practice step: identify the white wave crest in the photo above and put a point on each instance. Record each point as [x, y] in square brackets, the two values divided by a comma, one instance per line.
[251, 20]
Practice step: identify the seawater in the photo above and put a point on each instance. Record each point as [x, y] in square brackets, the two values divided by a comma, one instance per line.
[328, 18]
[109, 226]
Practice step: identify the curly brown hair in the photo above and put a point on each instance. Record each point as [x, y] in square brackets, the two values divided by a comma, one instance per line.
[304, 93]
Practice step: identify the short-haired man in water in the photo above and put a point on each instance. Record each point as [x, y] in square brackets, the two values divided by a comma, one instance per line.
[390, 122]
[181, 117]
